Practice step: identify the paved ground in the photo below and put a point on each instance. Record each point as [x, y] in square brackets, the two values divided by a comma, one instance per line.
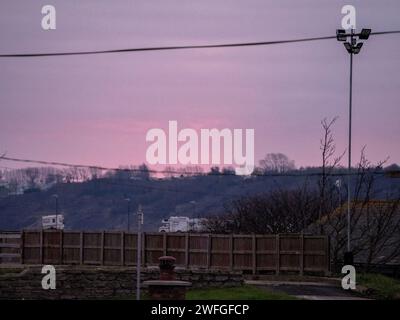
[308, 290]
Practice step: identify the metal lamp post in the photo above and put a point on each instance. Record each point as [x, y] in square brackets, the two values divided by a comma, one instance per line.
[192, 224]
[338, 185]
[55, 196]
[129, 209]
[352, 47]
[139, 253]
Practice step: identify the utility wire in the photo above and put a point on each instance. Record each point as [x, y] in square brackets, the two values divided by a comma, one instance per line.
[206, 46]
[286, 174]
[174, 190]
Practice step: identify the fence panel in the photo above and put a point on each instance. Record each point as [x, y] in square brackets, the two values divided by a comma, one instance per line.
[130, 252]
[220, 252]
[154, 244]
[198, 247]
[112, 248]
[176, 247]
[266, 252]
[71, 253]
[10, 247]
[243, 252]
[32, 247]
[249, 253]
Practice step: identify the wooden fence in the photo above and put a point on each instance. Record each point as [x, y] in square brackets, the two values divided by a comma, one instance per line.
[10, 247]
[250, 253]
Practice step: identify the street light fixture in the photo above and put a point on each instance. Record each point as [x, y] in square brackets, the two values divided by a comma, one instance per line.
[352, 47]
[357, 48]
[341, 35]
[364, 35]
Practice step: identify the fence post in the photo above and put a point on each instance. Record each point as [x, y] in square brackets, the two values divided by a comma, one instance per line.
[209, 251]
[164, 244]
[81, 248]
[187, 250]
[301, 254]
[278, 254]
[122, 248]
[254, 252]
[61, 246]
[231, 252]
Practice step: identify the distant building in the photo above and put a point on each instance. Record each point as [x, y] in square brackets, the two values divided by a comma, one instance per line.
[53, 222]
[182, 224]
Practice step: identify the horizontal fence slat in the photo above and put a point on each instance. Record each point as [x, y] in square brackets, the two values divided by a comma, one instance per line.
[10, 255]
[9, 245]
[10, 236]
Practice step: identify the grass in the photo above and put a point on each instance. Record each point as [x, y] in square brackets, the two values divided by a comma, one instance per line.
[379, 286]
[245, 292]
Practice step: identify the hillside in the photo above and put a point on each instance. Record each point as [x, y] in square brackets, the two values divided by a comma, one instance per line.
[100, 203]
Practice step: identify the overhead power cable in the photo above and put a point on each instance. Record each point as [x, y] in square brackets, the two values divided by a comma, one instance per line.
[135, 170]
[184, 47]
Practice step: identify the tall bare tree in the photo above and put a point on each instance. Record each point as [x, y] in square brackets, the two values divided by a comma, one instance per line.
[330, 162]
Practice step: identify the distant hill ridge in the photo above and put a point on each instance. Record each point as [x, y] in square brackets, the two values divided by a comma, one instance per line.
[100, 203]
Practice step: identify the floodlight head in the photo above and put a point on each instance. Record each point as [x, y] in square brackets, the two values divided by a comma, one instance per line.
[364, 35]
[348, 47]
[357, 48]
[341, 35]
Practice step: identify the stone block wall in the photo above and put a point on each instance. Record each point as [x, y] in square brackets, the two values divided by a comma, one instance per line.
[91, 282]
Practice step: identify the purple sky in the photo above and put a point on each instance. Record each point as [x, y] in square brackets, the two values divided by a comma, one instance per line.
[97, 109]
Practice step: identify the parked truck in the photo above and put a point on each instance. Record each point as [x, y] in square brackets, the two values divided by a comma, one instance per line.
[53, 222]
[181, 224]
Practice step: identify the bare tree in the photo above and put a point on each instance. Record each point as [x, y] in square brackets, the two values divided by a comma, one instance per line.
[278, 211]
[143, 172]
[330, 162]
[95, 173]
[170, 172]
[32, 174]
[276, 162]
[190, 171]
[375, 224]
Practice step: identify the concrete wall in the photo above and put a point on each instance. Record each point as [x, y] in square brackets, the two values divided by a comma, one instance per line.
[85, 282]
